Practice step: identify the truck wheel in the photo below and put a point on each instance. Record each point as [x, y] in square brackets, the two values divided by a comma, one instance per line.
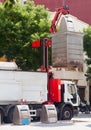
[1, 116]
[10, 115]
[66, 113]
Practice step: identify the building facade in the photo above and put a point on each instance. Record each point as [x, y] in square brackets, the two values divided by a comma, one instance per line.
[79, 8]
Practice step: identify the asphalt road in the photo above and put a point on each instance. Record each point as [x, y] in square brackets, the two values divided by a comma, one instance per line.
[82, 121]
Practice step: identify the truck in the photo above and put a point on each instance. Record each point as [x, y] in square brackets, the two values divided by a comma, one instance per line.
[35, 89]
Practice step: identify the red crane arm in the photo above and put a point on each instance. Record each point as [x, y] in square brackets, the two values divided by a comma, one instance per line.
[64, 10]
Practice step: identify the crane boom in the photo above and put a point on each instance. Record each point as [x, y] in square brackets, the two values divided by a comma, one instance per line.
[63, 10]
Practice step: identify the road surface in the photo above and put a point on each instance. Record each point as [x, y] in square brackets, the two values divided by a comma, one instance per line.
[83, 121]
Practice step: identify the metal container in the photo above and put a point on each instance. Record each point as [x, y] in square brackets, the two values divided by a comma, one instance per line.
[49, 114]
[21, 115]
[0, 119]
[67, 49]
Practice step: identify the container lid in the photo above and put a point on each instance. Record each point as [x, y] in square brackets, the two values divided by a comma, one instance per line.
[67, 24]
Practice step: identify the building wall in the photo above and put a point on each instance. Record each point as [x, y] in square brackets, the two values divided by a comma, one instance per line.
[78, 8]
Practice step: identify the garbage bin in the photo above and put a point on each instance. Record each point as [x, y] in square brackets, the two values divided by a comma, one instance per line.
[0, 119]
[49, 114]
[21, 115]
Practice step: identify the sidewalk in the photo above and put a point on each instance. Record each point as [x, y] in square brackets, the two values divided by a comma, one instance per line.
[82, 117]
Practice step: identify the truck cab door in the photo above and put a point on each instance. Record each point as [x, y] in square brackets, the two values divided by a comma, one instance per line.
[70, 94]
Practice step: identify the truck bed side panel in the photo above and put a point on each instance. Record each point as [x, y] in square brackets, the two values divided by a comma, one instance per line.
[16, 85]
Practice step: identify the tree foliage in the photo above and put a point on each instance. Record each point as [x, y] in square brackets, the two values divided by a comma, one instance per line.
[87, 47]
[19, 26]
[9, 3]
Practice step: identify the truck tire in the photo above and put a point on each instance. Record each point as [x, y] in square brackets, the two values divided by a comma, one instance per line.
[1, 116]
[67, 113]
[10, 115]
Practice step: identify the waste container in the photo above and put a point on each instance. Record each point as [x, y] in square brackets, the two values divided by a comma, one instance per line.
[0, 119]
[49, 114]
[21, 115]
